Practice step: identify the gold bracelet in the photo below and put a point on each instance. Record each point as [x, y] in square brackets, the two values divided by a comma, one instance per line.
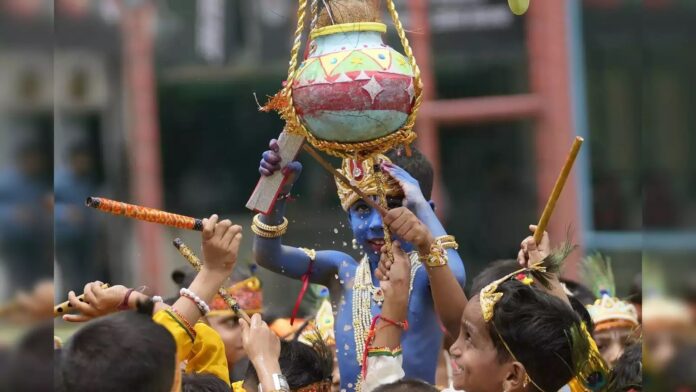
[438, 254]
[267, 234]
[271, 229]
[447, 242]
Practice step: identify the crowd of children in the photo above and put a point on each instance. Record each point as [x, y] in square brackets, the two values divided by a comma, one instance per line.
[520, 328]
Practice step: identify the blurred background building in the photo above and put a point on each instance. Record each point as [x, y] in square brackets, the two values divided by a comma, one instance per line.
[155, 104]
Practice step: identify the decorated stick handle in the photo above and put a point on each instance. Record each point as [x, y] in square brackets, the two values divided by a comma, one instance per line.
[196, 264]
[144, 213]
[66, 306]
[557, 189]
[267, 189]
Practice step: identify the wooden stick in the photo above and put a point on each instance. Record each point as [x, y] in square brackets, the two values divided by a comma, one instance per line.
[557, 189]
[326, 165]
[64, 307]
[196, 264]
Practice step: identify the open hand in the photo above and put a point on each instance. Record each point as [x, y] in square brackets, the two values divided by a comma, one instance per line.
[405, 224]
[97, 302]
[221, 242]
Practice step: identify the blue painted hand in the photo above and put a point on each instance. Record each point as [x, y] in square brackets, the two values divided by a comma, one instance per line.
[271, 162]
[413, 196]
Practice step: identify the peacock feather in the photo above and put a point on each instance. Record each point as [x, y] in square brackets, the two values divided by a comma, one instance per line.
[598, 275]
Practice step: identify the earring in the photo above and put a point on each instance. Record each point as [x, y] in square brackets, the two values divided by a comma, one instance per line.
[355, 243]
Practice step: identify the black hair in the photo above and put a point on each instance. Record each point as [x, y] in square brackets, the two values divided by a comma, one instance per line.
[126, 351]
[203, 382]
[500, 268]
[406, 385]
[417, 165]
[29, 366]
[493, 272]
[302, 365]
[535, 325]
[628, 370]
[581, 310]
[579, 291]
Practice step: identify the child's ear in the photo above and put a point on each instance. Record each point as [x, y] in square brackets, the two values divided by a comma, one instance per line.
[516, 378]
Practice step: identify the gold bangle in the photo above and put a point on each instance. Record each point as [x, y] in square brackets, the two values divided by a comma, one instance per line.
[272, 229]
[438, 254]
[267, 234]
[447, 242]
[267, 231]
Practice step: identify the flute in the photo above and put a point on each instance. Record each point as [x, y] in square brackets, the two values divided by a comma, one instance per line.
[196, 264]
[557, 188]
[144, 213]
[66, 306]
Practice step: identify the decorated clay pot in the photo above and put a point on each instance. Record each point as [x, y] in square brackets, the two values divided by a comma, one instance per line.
[352, 87]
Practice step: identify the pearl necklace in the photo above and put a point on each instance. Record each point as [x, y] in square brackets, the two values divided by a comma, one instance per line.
[364, 292]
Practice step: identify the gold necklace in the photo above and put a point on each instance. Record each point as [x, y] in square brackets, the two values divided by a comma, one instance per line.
[364, 292]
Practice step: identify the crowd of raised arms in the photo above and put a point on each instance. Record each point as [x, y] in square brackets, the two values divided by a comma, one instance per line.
[400, 319]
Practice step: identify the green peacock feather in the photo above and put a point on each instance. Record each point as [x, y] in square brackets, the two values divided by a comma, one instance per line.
[598, 274]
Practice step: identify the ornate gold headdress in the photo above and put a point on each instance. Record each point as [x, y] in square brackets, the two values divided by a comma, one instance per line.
[589, 369]
[608, 311]
[362, 174]
[248, 294]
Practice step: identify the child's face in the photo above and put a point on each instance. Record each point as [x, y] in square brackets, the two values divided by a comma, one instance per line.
[612, 343]
[477, 368]
[230, 332]
[366, 223]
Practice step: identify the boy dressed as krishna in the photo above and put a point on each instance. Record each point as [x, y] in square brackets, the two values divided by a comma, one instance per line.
[407, 183]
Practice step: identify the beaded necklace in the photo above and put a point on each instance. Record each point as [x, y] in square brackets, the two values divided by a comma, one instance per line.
[364, 292]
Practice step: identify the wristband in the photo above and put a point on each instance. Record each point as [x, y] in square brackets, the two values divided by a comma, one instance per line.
[279, 384]
[124, 304]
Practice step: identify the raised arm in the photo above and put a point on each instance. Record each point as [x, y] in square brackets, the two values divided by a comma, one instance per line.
[418, 224]
[416, 202]
[270, 252]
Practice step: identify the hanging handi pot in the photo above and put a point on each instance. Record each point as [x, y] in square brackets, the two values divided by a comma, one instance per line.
[353, 95]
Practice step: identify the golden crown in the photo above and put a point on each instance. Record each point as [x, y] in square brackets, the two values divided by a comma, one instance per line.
[608, 312]
[363, 175]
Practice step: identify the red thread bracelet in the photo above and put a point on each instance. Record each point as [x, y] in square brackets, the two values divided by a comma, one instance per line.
[371, 336]
[124, 304]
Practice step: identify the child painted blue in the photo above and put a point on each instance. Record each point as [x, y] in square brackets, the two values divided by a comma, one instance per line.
[407, 181]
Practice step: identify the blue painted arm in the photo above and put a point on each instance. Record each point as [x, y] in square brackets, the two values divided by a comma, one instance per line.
[290, 261]
[446, 283]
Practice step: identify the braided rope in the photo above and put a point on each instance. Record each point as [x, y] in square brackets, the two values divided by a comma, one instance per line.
[410, 122]
[403, 135]
[314, 14]
[289, 112]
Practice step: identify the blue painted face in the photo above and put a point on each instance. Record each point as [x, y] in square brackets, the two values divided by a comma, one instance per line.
[366, 224]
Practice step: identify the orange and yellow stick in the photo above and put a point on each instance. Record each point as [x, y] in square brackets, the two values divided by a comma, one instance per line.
[145, 213]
